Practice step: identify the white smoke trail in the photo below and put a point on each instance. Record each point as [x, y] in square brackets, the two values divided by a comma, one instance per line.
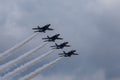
[11, 64]
[41, 69]
[9, 51]
[24, 67]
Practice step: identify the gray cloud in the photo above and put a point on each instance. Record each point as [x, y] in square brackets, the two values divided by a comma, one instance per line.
[91, 27]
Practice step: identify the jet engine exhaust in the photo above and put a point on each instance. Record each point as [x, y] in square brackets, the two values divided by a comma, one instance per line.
[7, 53]
[24, 67]
[12, 63]
[40, 70]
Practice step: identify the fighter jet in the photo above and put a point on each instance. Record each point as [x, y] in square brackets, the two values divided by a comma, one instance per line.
[42, 29]
[60, 46]
[53, 38]
[68, 54]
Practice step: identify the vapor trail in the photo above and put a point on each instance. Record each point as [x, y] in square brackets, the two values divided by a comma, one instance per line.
[9, 51]
[41, 69]
[24, 67]
[11, 64]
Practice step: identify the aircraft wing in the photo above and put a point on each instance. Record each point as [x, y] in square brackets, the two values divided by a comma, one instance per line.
[75, 54]
[67, 45]
[50, 29]
[36, 31]
[60, 38]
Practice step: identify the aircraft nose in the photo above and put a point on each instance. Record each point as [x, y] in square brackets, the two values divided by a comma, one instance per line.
[74, 50]
[58, 34]
[67, 42]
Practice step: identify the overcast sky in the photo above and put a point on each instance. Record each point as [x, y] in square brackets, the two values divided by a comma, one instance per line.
[91, 26]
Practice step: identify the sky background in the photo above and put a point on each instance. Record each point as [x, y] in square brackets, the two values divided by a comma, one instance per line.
[92, 27]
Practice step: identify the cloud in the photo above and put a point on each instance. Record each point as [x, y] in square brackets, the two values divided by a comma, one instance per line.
[91, 27]
[55, 77]
[98, 75]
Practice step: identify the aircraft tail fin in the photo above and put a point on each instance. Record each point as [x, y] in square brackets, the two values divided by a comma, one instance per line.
[56, 44]
[64, 52]
[48, 37]
[38, 27]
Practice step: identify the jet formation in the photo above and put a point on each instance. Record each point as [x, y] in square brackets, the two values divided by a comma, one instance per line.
[53, 39]
[6, 66]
